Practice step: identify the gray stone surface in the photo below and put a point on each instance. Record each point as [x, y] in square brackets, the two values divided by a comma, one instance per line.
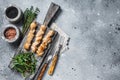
[94, 28]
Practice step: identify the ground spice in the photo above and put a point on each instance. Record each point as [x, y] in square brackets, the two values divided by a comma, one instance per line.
[11, 12]
[10, 33]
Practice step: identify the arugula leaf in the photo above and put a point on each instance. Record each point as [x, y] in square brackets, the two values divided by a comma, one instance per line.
[24, 63]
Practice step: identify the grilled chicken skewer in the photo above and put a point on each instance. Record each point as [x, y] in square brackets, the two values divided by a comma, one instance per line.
[38, 38]
[46, 40]
[30, 35]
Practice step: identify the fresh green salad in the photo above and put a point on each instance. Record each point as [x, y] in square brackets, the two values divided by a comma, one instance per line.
[24, 63]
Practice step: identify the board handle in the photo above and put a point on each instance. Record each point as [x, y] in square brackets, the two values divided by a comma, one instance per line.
[52, 11]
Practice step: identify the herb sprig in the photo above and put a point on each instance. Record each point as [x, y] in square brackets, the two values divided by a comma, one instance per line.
[29, 16]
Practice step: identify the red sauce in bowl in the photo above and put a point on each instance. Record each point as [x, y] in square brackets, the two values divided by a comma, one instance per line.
[10, 33]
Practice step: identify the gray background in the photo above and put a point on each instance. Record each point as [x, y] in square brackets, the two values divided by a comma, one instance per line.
[94, 28]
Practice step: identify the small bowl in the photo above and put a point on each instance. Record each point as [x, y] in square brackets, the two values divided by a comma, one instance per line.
[13, 14]
[16, 37]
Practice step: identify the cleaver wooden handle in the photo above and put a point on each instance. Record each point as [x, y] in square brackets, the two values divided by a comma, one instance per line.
[42, 71]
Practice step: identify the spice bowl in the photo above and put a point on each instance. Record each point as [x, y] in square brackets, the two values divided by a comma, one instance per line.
[11, 33]
[13, 13]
